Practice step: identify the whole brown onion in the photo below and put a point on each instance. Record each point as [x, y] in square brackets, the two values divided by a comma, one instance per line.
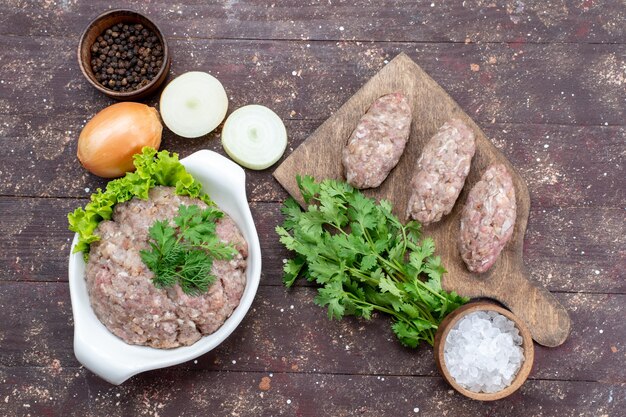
[110, 139]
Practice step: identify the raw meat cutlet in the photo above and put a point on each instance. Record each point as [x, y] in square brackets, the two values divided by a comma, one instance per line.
[441, 171]
[488, 219]
[375, 146]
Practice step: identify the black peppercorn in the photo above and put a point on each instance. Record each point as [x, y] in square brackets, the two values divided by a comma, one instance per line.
[126, 57]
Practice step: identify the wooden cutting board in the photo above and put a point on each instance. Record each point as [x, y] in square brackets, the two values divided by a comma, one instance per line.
[507, 281]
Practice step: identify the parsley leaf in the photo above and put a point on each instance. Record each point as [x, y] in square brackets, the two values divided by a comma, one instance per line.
[365, 259]
[184, 253]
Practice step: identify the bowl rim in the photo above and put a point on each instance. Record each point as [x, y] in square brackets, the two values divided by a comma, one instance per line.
[123, 95]
[114, 360]
[527, 344]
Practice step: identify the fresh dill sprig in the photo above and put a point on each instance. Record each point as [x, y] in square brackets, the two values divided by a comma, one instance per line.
[184, 253]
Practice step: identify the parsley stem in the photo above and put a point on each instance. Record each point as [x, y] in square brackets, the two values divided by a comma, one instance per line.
[429, 333]
[364, 277]
[426, 287]
[373, 247]
[357, 300]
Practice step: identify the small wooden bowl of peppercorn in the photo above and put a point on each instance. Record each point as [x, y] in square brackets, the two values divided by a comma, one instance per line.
[123, 54]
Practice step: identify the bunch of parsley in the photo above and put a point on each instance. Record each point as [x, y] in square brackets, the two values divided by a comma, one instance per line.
[365, 259]
[184, 254]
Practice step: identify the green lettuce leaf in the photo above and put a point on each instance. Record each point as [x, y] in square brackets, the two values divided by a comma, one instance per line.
[152, 168]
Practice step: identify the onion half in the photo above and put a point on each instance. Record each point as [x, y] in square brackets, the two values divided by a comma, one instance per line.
[254, 137]
[109, 140]
[194, 104]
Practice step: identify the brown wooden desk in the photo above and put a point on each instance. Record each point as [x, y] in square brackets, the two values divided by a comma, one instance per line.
[545, 80]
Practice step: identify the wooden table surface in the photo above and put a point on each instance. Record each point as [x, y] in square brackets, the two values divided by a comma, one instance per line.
[545, 80]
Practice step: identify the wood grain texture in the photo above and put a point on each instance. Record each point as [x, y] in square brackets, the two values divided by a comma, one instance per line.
[507, 281]
[547, 156]
[274, 337]
[597, 21]
[549, 73]
[514, 83]
[568, 249]
[76, 392]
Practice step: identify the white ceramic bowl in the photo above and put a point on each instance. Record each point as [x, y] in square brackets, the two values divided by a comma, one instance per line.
[108, 356]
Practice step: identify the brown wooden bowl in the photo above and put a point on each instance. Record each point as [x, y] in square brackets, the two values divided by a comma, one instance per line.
[527, 344]
[95, 29]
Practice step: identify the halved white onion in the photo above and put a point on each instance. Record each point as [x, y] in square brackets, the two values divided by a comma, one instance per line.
[254, 137]
[193, 104]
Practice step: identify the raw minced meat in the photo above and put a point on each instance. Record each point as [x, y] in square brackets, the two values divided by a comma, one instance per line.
[488, 219]
[120, 285]
[375, 146]
[440, 172]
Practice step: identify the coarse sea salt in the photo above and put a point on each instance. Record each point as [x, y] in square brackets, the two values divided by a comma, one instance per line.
[483, 352]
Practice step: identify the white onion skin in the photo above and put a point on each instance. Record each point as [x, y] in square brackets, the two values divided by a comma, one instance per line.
[109, 140]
